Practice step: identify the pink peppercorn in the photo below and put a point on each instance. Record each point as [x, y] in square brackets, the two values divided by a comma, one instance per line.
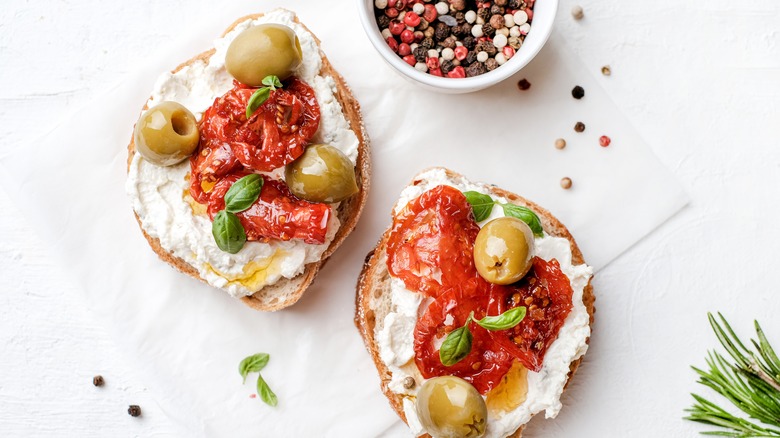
[393, 44]
[396, 27]
[391, 3]
[508, 52]
[409, 59]
[407, 36]
[399, 4]
[604, 141]
[430, 13]
[435, 72]
[530, 13]
[404, 49]
[391, 12]
[461, 52]
[457, 72]
[411, 19]
[432, 63]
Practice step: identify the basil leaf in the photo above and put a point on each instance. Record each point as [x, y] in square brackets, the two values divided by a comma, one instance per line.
[526, 215]
[228, 232]
[272, 81]
[243, 193]
[481, 204]
[504, 321]
[265, 393]
[253, 364]
[257, 99]
[456, 346]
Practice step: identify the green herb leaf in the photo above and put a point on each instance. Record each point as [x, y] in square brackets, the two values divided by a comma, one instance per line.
[265, 393]
[504, 321]
[257, 99]
[456, 346]
[526, 215]
[272, 81]
[253, 364]
[243, 193]
[228, 232]
[481, 204]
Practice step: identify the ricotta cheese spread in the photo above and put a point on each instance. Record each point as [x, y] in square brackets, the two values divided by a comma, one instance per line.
[160, 194]
[395, 334]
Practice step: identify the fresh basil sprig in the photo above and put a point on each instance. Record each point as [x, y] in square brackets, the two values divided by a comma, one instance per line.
[228, 232]
[457, 344]
[226, 228]
[243, 193]
[482, 205]
[259, 97]
[253, 364]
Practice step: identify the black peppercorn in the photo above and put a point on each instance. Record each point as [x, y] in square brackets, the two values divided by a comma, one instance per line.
[471, 57]
[486, 46]
[491, 64]
[449, 42]
[462, 30]
[475, 69]
[483, 13]
[426, 43]
[523, 84]
[423, 24]
[514, 4]
[579, 127]
[134, 410]
[420, 53]
[470, 42]
[446, 66]
[460, 17]
[383, 21]
[577, 92]
[488, 30]
[98, 381]
[442, 31]
[500, 2]
[496, 9]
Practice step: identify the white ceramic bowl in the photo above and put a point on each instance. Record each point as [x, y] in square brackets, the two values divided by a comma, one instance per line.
[541, 27]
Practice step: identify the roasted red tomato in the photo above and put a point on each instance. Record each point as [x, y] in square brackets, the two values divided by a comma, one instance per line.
[431, 244]
[275, 135]
[486, 364]
[547, 295]
[277, 213]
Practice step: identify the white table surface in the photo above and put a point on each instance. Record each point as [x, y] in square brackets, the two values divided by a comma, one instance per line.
[699, 79]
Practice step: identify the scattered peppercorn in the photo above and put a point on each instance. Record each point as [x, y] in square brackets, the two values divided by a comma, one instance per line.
[523, 84]
[409, 382]
[606, 71]
[566, 183]
[134, 410]
[578, 92]
[579, 127]
[604, 141]
[577, 12]
[98, 380]
[560, 143]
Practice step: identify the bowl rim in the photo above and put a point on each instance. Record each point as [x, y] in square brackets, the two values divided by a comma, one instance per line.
[512, 66]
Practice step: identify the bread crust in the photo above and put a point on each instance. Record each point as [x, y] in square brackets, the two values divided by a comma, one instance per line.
[287, 292]
[375, 272]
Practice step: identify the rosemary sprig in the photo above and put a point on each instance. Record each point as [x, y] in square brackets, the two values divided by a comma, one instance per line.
[751, 383]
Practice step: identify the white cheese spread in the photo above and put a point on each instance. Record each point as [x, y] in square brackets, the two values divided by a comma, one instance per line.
[395, 334]
[159, 196]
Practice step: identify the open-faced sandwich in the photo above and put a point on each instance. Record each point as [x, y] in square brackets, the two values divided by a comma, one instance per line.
[249, 164]
[476, 307]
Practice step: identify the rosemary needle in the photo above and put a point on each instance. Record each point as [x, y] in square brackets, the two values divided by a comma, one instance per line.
[751, 384]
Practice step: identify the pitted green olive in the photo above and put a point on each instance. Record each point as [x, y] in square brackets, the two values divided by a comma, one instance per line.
[449, 407]
[322, 174]
[503, 250]
[166, 134]
[267, 49]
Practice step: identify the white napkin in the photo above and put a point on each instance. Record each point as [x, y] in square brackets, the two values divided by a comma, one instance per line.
[187, 338]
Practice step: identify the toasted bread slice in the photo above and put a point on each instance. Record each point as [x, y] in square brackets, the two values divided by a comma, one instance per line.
[373, 290]
[287, 292]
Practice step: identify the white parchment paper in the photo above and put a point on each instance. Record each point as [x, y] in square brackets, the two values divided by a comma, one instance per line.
[187, 338]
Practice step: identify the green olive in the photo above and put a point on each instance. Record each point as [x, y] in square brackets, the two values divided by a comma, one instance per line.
[166, 134]
[503, 250]
[449, 407]
[267, 49]
[322, 174]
